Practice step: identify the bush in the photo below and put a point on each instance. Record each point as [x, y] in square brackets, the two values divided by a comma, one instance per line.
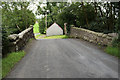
[115, 42]
[5, 42]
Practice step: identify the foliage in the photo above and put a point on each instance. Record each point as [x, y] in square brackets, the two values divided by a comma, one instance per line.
[41, 25]
[100, 17]
[15, 18]
[113, 51]
[115, 42]
[118, 27]
[9, 62]
[36, 28]
[52, 10]
[77, 14]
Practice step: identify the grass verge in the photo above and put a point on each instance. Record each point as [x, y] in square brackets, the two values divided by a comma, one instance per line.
[38, 35]
[56, 37]
[113, 51]
[10, 60]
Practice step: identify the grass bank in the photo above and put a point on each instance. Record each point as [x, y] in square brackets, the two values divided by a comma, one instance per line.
[10, 60]
[56, 37]
[113, 51]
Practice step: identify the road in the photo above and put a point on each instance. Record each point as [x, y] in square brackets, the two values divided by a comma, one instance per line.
[65, 58]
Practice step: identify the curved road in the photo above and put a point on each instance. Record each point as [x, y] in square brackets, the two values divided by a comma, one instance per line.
[65, 58]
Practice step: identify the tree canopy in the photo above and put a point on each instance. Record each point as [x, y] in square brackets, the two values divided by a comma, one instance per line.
[96, 16]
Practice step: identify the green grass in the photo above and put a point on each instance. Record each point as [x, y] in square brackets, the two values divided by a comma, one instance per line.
[38, 35]
[113, 51]
[10, 60]
[56, 37]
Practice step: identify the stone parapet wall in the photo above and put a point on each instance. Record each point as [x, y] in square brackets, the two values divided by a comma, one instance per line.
[91, 36]
[18, 41]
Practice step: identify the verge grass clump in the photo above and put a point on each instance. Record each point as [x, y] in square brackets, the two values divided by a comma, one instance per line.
[113, 51]
[10, 60]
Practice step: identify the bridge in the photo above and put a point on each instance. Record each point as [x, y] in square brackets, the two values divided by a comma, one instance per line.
[63, 58]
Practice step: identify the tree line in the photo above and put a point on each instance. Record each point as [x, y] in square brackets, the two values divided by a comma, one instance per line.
[96, 16]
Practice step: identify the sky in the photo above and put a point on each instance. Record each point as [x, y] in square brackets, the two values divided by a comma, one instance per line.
[33, 6]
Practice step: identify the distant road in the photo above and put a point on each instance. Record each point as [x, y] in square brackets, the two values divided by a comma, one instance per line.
[65, 58]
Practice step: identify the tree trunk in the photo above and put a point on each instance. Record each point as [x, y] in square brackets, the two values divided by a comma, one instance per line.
[85, 13]
[111, 23]
[95, 5]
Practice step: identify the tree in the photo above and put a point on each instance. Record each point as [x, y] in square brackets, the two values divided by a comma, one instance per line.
[96, 16]
[54, 9]
[15, 18]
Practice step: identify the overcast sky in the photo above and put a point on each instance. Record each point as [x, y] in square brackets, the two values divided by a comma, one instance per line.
[34, 5]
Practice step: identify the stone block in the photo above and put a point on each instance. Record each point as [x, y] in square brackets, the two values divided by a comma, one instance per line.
[13, 37]
[104, 35]
[18, 41]
[100, 34]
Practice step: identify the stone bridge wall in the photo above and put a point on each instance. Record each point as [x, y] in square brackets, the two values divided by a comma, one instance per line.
[91, 36]
[18, 41]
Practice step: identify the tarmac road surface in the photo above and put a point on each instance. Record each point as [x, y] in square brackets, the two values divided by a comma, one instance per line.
[65, 58]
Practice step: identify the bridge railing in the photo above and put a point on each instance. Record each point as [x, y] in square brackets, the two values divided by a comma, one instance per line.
[94, 37]
[18, 41]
